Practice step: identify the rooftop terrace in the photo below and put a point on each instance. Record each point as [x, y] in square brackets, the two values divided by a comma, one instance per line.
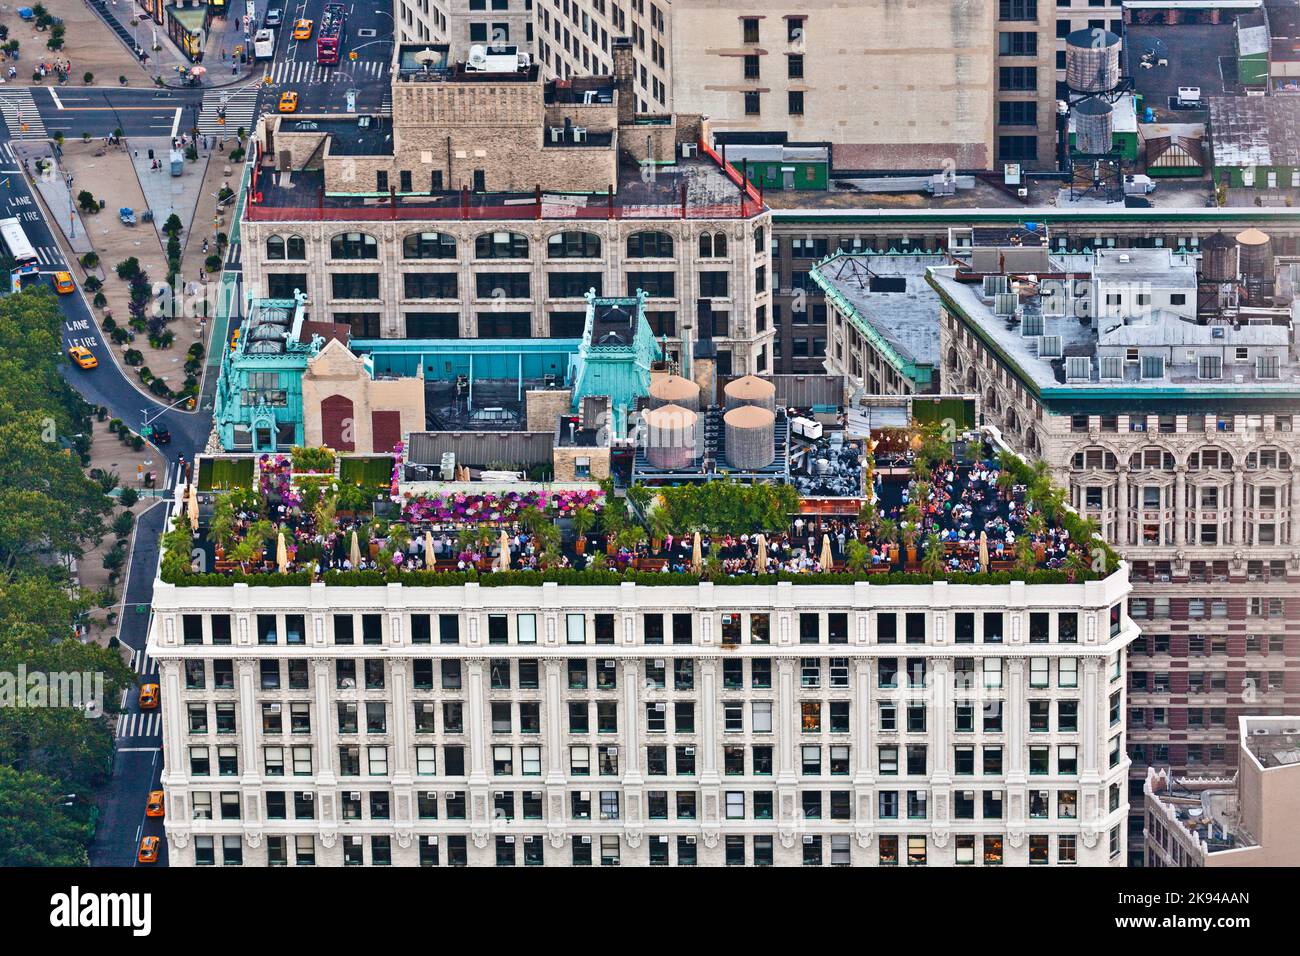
[965, 513]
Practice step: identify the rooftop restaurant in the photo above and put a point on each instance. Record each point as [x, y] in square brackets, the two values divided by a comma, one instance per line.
[965, 509]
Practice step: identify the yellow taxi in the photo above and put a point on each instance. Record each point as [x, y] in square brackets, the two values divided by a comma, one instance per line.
[148, 850]
[154, 808]
[302, 30]
[63, 283]
[234, 340]
[83, 357]
[288, 102]
[148, 696]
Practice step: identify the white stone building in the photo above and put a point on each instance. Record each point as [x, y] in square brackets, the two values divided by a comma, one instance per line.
[932, 724]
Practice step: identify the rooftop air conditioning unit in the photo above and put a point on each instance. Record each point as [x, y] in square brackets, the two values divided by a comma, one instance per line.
[688, 150]
[1260, 732]
[579, 134]
[1022, 192]
[1123, 257]
[1292, 730]
[557, 134]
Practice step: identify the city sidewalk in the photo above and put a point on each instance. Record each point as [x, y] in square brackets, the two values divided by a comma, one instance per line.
[165, 193]
[55, 193]
[224, 35]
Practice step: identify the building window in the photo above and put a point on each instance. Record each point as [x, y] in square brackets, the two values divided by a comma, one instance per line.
[794, 66]
[795, 101]
[751, 104]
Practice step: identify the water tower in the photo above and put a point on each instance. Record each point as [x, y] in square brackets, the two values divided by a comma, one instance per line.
[1094, 84]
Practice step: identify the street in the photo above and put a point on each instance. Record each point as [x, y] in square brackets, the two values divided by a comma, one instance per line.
[100, 111]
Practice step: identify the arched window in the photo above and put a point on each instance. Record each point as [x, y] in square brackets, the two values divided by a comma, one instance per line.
[573, 245]
[275, 247]
[719, 244]
[1209, 459]
[1268, 459]
[1151, 459]
[501, 245]
[429, 245]
[354, 245]
[649, 245]
[297, 247]
[706, 245]
[1094, 458]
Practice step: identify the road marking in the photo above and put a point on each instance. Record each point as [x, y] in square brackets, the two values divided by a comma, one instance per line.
[55, 96]
[176, 123]
[138, 750]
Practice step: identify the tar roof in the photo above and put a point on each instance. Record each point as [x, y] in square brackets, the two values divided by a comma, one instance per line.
[890, 294]
[1254, 131]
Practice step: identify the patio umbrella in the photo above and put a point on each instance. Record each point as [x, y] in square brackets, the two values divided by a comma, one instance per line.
[428, 549]
[355, 555]
[827, 560]
[281, 554]
[193, 507]
[984, 550]
[504, 544]
[697, 559]
[762, 553]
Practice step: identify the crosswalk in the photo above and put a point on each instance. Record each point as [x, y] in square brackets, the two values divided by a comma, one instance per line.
[21, 115]
[7, 155]
[386, 105]
[305, 72]
[241, 108]
[139, 725]
[50, 257]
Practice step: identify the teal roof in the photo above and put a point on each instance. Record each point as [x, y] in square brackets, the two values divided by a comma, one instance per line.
[616, 353]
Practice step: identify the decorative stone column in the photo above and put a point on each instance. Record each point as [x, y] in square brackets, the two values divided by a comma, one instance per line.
[322, 677]
[1121, 507]
[1239, 504]
[1180, 506]
[250, 777]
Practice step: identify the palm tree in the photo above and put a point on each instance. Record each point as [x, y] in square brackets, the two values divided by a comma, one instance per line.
[221, 526]
[932, 562]
[583, 520]
[660, 526]
[888, 532]
[631, 537]
[856, 556]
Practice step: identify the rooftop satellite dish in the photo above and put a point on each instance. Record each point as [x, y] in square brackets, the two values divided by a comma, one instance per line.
[426, 56]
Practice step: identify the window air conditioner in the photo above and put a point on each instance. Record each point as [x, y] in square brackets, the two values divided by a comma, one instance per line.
[584, 794]
[579, 134]
[557, 134]
[307, 797]
[498, 793]
[690, 751]
[350, 708]
[807, 839]
[527, 839]
[431, 795]
[660, 707]
[426, 707]
[354, 795]
[510, 839]
[275, 708]
[536, 794]
[690, 839]
[659, 662]
[450, 794]
[613, 750]
[433, 841]
[663, 839]
[586, 839]
[609, 663]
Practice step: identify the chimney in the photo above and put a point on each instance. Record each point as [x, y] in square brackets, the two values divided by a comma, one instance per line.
[625, 80]
[704, 358]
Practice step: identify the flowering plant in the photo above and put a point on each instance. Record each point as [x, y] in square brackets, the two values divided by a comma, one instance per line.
[494, 507]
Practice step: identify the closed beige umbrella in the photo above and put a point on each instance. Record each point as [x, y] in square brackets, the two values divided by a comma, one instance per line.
[504, 558]
[428, 549]
[193, 507]
[762, 553]
[281, 554]
[697, 556]
[355, 554]
[827, 559]
[984, 550]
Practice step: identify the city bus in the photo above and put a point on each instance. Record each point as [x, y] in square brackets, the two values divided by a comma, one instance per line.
[26, 267]
[332, 33]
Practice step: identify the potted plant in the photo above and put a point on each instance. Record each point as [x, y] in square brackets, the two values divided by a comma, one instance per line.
[911, 530]
[888, 532]
[584, 519]
[660, 527]
[933, 563]
[868, 516]
[856, 555]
